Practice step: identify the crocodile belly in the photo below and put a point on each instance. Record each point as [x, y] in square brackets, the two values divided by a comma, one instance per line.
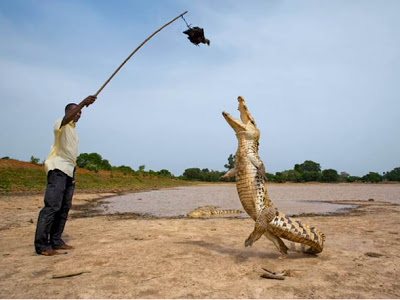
[249, 190]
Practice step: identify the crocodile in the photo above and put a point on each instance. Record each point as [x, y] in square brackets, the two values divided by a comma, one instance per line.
[249, 171]
[208, 211]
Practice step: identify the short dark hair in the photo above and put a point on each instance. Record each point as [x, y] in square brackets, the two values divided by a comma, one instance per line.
[69, 105]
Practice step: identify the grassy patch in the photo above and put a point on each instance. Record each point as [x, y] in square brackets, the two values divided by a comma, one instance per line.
[18, 177]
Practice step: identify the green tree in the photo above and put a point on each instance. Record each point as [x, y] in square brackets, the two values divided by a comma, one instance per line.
[344, 176]
[330, 175]
[270, 177]
[308, 166]
[292, 175]
[192, 173]
[279, 177]
[393, 175]
[202, 175]
[309, 171]
[34, 160]
[105, 165]
[152, 172]
[92, 167]
[124, 170]
[353, 179]
[164, 173]
[94, 160]
[308, 176]
[229, 165]
[231, 162]
[372, 177]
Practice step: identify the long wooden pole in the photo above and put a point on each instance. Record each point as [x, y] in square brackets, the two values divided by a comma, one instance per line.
[154, 33]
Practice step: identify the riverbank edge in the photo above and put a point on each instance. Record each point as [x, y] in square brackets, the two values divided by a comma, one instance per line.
[92, 207]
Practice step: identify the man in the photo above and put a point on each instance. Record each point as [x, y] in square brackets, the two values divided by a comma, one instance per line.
[60, 169]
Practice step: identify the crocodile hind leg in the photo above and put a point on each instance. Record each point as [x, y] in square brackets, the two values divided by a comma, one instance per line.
[261, 228]
[279, 244]
[255, 235]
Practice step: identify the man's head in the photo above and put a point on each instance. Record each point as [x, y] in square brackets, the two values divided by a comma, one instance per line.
[70, 107]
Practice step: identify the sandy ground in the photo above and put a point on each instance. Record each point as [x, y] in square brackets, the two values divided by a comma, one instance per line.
[123, 256]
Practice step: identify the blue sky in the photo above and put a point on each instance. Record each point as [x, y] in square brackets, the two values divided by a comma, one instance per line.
[321, 79]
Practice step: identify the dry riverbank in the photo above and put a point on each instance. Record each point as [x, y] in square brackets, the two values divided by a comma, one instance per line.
[124, 256]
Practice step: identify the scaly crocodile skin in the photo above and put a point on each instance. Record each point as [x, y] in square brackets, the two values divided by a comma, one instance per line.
[208, 211]
[251, 186]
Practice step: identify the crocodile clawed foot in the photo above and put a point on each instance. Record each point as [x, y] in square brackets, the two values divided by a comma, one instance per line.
[283, 252]
[248, 242]
[254, 236]
[282, 256]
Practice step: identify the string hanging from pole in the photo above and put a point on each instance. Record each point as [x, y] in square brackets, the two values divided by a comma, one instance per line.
[188, 26]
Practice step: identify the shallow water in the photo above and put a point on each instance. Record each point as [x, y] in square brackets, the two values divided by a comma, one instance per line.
[291, 199]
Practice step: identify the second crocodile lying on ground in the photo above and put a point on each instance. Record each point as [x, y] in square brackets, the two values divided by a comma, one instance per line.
[251, 186]
[208, 211]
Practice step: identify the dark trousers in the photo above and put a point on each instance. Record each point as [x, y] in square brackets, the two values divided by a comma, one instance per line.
[53, 216]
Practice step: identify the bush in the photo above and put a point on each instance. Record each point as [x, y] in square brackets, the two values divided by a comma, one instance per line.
[279, 177]
[310, 176]
[270, 177]
[330, 175]
[192, 173]
[353, 179]
[86, 159]
[92, 167]
[308, 166]
[292, 175]
[34, 160]
[202, 175]
[393, 175]
[372, 177]
[124, 169]
[164, 173]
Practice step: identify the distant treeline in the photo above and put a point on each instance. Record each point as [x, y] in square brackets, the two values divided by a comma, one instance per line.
[94, 162]
[308, 171]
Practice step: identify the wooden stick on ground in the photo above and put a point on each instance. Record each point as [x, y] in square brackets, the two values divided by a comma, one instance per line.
[56, 276]
[154, 33]
[272, 275]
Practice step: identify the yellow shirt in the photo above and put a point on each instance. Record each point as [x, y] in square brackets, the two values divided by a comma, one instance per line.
[64, 151]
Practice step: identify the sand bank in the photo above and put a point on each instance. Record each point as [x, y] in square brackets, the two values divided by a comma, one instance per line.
[123, 256]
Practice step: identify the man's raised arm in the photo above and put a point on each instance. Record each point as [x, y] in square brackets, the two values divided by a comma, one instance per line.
[70, 114]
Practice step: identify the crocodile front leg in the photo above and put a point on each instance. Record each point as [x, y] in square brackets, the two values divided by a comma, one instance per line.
[231, 173]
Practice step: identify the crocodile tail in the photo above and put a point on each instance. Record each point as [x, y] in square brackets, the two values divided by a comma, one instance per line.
[310, 238]
[227, 211]
[303, 248]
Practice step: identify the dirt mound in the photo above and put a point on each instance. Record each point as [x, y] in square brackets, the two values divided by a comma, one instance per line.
[18, 164]
[13, 163]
